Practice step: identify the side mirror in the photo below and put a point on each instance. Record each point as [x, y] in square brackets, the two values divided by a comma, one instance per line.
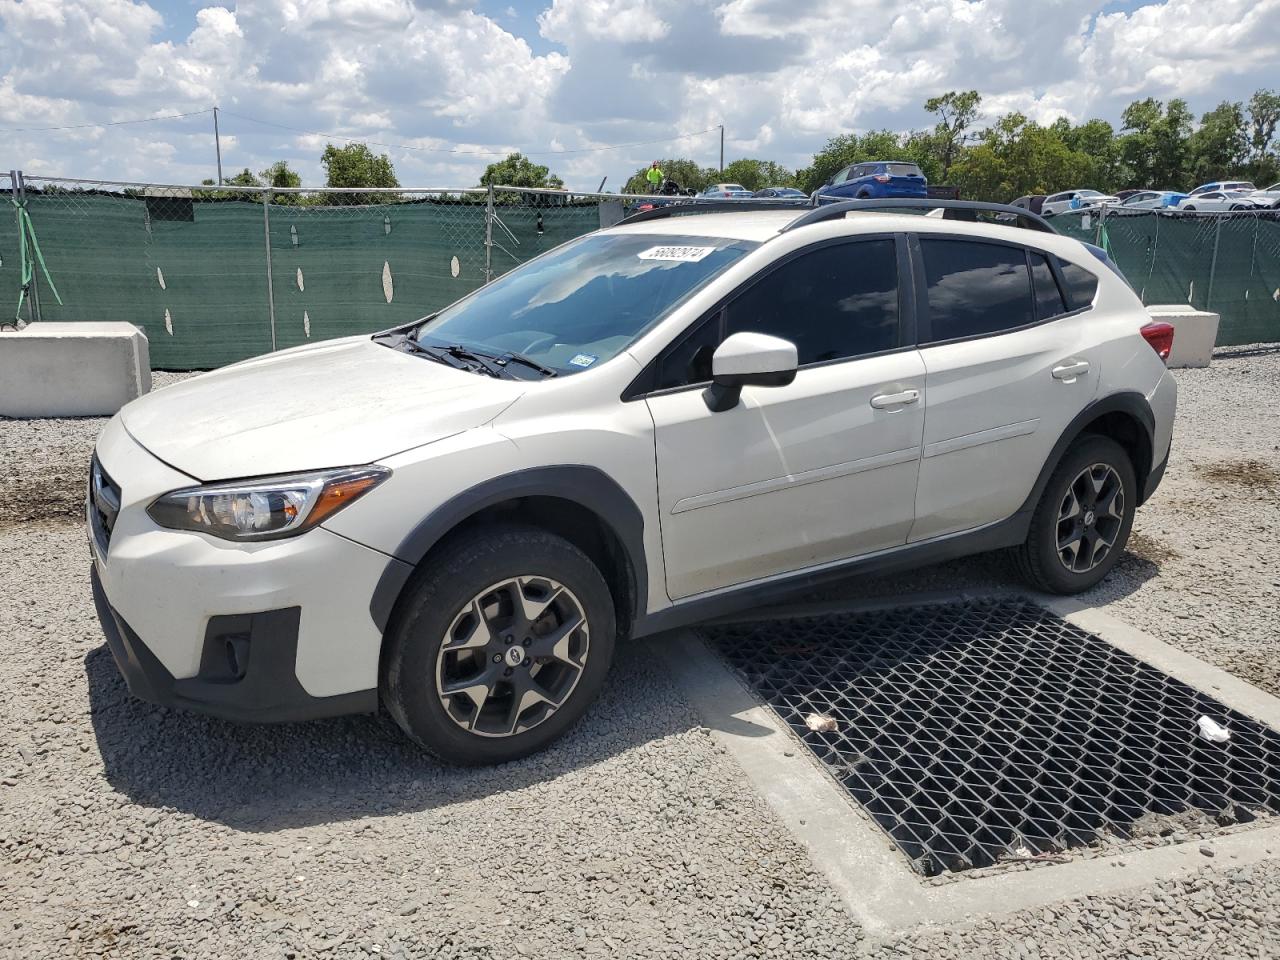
[748, 360]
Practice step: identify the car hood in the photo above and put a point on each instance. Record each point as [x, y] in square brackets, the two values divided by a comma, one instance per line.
[339, 403]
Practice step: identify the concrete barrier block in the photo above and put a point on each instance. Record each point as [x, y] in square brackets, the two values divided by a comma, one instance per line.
[1195, 332]
[72, 369]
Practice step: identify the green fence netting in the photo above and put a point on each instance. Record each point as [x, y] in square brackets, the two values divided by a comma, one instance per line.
[191, 267]
[1229, 264]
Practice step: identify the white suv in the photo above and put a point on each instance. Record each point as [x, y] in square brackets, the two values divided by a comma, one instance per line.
[649, 425]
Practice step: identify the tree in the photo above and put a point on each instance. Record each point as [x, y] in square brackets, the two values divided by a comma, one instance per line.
[1016, 157]
[758, 174]
[1264, 115]
[1154, 148]
[355, 165]
[956, 111]
[1219, 148]
[279, 175]
[517, 170]
[242, 179]
[1096, 139]
[682, 170]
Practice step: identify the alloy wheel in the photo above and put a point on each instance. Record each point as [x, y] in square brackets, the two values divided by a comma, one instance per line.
[512, 656]
[1090, 518]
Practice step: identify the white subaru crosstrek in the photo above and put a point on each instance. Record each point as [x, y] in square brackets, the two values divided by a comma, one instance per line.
[647, 426]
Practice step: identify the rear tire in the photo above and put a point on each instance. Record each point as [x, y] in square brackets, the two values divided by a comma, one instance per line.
[498, 645]
[1082, 522]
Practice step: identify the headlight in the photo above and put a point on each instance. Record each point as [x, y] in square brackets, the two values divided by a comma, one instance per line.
[266, 508]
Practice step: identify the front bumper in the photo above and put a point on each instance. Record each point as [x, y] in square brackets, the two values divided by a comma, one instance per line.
[246, 670]
[292, 613]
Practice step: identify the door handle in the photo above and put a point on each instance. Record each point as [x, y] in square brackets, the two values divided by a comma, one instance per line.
[883, 400]
[1069, 371]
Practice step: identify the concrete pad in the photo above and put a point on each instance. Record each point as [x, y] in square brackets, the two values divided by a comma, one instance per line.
[1195, 332]
[872, 878]
[72, 369]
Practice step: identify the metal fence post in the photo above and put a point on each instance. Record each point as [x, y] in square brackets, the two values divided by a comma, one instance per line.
[33, 292]
[1213, 264]
[488, 235]
[266, 230]
[1100, 231]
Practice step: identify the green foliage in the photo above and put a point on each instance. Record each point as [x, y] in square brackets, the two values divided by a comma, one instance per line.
[1155, 146]
[517, 170]
[1220, 145]
[757, 174]
[280, 175]
[242, 179]
[355, 165]
[1016, 156]
[1264, 152]
[956, 112]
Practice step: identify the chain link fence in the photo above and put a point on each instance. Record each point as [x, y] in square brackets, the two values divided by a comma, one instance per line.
[1225, 262]
[216, 274]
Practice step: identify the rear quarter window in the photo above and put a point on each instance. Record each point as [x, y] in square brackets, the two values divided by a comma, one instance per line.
[1081, 285]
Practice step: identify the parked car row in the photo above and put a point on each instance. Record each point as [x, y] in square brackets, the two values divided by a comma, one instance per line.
[1234, 195]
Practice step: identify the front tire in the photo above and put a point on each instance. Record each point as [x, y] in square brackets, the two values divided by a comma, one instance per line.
[1083, 519]
[498, 645]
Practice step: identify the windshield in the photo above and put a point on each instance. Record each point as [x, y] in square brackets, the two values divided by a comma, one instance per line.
[584, 302]
[1089, 193]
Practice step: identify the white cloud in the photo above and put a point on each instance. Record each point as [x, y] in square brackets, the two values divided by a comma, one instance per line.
[433, 74]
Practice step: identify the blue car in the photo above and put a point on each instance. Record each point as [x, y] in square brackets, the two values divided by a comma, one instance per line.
[876, 179]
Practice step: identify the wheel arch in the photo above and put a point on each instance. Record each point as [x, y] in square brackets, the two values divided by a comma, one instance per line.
[580, 503]
[1124, 417]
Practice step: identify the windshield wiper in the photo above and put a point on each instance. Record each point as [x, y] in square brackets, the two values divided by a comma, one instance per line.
[401, 341]
[512, 357]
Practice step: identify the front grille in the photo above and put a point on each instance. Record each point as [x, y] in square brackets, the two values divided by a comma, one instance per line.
[975, 733]
[104, 505]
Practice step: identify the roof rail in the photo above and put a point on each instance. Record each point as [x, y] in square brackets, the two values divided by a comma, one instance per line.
[833, 211]
[694, 205]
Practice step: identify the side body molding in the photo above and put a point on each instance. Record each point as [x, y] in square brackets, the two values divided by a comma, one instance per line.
[588, 487]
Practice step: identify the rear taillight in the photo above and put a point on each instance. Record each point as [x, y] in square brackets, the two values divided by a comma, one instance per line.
[883, 178]
[1160, 335]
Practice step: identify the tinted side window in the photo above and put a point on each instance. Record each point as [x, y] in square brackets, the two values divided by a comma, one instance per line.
[1082, 286]
[1049, 301]
[975, 288]
[835, 302]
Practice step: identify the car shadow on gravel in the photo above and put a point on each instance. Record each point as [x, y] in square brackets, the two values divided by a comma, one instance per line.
[269, 777]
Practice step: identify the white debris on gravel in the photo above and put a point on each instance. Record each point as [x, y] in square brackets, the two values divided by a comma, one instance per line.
[134, 831]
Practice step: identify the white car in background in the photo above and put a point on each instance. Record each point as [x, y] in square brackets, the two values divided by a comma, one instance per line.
[1216, 201]
[1069, 200]
[1243, 186]
[726, 191]
[1152, 200]
[1271, 194]
[664, 421]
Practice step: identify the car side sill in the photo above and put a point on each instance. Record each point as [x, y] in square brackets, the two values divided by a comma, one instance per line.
[994, 536]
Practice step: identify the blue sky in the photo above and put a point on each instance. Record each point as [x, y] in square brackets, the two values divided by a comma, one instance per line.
[570, 78]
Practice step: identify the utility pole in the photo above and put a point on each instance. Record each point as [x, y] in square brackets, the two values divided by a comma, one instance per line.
[722, 148]
[217, 144]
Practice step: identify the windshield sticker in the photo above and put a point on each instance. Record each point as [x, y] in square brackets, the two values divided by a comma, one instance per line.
[584, 360]
[679, 254]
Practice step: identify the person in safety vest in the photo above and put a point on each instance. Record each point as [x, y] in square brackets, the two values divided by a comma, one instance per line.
[655, 176]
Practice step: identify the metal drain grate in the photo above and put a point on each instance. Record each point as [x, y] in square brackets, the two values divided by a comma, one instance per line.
[980, 732]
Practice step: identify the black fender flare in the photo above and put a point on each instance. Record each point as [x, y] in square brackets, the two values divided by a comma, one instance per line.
[1129, 402]
[588, 487]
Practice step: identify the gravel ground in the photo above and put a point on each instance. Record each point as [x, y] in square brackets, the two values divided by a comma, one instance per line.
[134, 831]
